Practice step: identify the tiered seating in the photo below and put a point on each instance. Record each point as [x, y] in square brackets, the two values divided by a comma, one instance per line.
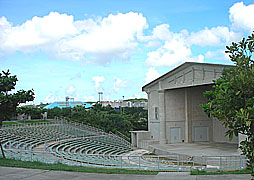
[100, 150]
[67, 142]
[30, 137]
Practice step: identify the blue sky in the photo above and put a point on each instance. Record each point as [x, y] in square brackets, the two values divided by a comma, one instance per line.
[78, 48]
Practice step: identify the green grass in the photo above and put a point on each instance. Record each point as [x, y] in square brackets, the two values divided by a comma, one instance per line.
[8, 123]
[197, 172]
[34, 121]
[63, 167]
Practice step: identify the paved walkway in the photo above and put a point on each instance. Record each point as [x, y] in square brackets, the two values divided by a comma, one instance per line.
[7, 173]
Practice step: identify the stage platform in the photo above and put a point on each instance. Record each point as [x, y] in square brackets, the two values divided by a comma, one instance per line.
[196, 149]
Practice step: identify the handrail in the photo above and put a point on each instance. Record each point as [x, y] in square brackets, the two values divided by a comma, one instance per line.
[91, 128]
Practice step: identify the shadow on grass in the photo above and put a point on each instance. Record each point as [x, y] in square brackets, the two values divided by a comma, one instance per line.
[64, 167]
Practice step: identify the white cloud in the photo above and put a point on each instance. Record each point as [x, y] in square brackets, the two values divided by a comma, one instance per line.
[118, 84]
[176, 48]
[71, 91]
[172, 53]
[51, 98]
[151, 75]
[138, 96]
[101, 40]
[98, 80]
[89, 98]
[36, 33]
[110, 38]
[241, 16]
[160, 32]
[76, 76]
[215, 36]
[152, 44]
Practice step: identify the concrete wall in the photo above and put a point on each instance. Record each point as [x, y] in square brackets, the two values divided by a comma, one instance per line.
[175, 115]
[198, 118]
[182, 110]
[137, 138]
[154, 124]
[219, 133]
[187, 75]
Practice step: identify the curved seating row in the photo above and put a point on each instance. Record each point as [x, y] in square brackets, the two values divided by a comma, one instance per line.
[30, 137]
[93, 150]
[66, 142]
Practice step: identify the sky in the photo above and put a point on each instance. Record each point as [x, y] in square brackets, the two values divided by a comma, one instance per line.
[78, 48]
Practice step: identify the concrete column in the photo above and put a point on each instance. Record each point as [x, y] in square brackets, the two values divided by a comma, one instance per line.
[162, 116]
[149, 109]
[134, 139]
[187, 111]
[241, 137]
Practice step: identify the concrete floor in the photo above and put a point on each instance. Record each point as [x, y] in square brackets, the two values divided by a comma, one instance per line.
[198, 149]
[7, 173]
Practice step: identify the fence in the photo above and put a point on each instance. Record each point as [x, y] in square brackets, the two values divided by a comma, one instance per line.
[110, 160]
[98, 131]
[222, 162]
[144, 162]
[63, 121]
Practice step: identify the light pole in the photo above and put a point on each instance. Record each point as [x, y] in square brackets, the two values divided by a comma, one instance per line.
[123, 105]
[100, 96]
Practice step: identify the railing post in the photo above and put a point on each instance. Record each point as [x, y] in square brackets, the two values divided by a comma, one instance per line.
[201, 163]
[43, 154]
[121, 158]
[158, 159]
[139, 161]
[230, 160]
[220, 163]
[104, 160]
[31, 154]
[178, 159]
[240, 162]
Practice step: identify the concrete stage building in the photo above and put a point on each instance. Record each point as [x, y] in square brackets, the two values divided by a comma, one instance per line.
[174, 112]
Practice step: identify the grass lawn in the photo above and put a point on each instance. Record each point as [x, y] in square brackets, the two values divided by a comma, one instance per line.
[197, 172]
[9, 123]
[34, 121]
[63, 167]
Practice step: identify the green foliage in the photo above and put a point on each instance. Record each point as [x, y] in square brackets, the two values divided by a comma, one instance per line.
[138, 100]
[232, 101]
[9, 101]
[105, 118]
[203, 172]
[32, 111]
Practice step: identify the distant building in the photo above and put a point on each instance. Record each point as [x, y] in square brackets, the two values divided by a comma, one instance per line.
[64, 104]
[117, 104]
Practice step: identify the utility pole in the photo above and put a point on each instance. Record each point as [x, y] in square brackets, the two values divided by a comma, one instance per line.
[67, 101]
[123, 105]
[100, 96]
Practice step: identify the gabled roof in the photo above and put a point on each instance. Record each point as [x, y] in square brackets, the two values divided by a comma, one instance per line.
[180, 70]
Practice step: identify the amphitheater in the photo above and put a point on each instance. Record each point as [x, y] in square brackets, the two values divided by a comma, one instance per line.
[73, 143]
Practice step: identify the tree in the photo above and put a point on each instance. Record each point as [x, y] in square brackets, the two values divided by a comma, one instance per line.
[9, 101]
[33, 112]
[232, 100]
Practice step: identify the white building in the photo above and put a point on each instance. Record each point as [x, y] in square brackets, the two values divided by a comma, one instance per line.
[174, 112]
[117, 104]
